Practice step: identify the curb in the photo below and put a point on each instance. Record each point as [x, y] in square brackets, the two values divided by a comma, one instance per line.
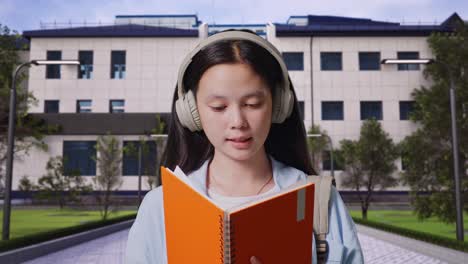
[34, 251]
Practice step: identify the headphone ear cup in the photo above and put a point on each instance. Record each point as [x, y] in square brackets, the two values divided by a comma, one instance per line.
[276, 107]
[193, 109]
[187, 112]
[288, 99]
[283, 103]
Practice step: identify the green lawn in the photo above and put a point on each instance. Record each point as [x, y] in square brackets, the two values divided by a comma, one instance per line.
[31, 221]
[407, 219]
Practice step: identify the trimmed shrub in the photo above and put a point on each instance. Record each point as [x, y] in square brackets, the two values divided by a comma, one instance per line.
[431, 238]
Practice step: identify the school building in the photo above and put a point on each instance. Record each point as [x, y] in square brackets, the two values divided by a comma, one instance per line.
[129, 70]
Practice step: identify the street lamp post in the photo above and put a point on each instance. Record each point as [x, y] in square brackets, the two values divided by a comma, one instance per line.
[458, 199]
[11, 139]
[453, 116]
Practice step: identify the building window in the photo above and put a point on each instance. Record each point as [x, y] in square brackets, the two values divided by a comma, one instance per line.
[406, 107]
[79, 157]
[118, 64]
[53, 71]
[330, 61]
[301, 109]
[130, 158]
[85, 71]
[294, 60]
[326, 164]
[332, 110]
[372, 109]
[408, 55]
[369, 61]
[116, 106]
[83, 106]
[51, 106]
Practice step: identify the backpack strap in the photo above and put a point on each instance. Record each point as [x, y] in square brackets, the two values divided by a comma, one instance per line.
[321, 204]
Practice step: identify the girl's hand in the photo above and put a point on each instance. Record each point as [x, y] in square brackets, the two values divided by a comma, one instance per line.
[254, 260]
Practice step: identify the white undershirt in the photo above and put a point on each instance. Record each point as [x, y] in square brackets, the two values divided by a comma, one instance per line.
[227, 202]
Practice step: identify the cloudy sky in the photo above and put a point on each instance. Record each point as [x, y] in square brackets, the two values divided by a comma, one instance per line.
[28, 14]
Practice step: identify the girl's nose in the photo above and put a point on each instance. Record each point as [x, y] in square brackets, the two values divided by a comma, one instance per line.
[237, 118]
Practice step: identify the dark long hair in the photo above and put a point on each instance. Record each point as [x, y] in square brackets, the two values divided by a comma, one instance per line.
[286, 142]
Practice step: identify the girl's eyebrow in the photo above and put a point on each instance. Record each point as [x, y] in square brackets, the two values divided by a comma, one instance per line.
[259, 93]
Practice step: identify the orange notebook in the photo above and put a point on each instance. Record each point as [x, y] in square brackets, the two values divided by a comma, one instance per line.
[276, 229]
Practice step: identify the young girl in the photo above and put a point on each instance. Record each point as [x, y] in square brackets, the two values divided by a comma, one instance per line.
[236, 132]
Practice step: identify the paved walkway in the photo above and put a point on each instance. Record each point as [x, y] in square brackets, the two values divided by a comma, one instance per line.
[105, 250]
[380, 252]
[379, 247]
[383, 247]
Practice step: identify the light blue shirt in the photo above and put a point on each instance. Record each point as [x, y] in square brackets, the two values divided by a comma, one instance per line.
[147, 240]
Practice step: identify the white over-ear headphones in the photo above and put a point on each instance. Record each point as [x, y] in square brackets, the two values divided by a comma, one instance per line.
[186, 106]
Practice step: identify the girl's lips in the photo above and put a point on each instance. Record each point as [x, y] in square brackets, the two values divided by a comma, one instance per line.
[241, 143]
[239, 139]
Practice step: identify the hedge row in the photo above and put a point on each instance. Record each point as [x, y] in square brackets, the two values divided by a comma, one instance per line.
[431, 238]
[28, 240]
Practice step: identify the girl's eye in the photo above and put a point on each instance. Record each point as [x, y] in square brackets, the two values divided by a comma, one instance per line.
[217, 108]
[253, 105]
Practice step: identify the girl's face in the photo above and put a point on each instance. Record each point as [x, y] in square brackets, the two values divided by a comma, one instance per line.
[235, 107]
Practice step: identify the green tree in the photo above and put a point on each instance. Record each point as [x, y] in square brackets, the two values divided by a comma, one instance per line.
[55, 185]
[353, 171]
[160, 146]
[150, 166]
[369, 163]
[30, 131]
[145, 162]
[26, 185]
[109, 178]
[317, 145]
[428, 151]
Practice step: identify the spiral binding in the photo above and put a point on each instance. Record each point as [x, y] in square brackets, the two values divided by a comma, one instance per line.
[221, 239]
[227, 249]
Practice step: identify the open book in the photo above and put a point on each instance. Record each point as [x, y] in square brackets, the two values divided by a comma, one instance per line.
[276, 229]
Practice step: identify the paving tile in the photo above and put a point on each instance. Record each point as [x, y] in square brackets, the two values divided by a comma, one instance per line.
[380, 252]
[111, 249]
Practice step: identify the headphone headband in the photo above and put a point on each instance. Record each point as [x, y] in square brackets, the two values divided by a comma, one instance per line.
[186, 106]
[232, 35]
